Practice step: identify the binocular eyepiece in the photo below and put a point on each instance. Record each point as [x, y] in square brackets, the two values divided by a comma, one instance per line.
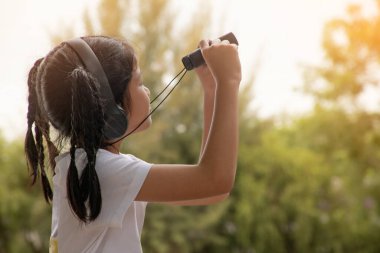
[195, 59]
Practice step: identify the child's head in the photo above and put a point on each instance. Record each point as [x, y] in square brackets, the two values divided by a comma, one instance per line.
[62, 92]
[63, 79]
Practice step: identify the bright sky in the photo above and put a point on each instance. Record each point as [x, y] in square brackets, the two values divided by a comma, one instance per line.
[282, 34]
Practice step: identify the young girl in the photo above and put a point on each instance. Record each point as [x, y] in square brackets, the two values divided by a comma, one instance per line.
[100, 195]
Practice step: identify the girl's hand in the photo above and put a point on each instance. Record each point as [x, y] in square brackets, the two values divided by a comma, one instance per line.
[222, 60]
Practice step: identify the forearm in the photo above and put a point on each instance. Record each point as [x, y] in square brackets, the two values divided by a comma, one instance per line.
[208, 110]
[220, 151]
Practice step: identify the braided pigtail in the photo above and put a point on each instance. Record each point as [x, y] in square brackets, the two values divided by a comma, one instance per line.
[34, 149]
[30, 144]
[48, 193]
[87, 124]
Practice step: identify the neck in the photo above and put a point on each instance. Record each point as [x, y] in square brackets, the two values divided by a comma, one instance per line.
[114, 148]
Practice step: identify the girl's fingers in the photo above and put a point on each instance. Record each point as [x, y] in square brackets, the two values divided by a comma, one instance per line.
[215, 41]
[225, 42]
[203, 44]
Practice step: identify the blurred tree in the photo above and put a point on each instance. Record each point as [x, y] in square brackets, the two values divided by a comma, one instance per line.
[24, 216]
[352, 49]
[334, 205]
[310, 186]
[344, 131]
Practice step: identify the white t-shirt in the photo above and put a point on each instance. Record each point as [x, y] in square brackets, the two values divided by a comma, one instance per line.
[119, 225]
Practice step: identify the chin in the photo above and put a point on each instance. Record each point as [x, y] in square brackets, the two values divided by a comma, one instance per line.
[145, 125]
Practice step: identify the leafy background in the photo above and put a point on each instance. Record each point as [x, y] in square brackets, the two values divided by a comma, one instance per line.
[309, 183]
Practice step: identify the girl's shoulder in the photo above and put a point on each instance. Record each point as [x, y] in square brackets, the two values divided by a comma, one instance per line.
[104, 158]
[107, 164]
[102, 153]
[109, 156]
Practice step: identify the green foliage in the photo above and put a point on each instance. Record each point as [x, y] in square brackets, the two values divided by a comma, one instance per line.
[310, 186]
[24, 215]
[352, 49]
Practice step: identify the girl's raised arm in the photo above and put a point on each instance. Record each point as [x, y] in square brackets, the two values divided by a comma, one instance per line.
[214, 174]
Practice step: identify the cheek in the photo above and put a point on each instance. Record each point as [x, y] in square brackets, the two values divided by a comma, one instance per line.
[144, 99]
[139, 105]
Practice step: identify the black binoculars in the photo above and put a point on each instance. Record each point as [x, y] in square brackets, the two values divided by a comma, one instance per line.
[195, 59]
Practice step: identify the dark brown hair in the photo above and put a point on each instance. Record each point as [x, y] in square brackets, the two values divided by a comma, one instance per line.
[64, 94]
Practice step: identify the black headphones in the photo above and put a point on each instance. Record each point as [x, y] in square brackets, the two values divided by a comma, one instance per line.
[116, 121]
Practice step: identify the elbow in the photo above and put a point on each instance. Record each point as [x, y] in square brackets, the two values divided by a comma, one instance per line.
[221, 179]
[225, 184]
[229, 186]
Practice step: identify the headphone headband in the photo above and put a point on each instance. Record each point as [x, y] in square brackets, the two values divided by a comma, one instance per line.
[116, 120]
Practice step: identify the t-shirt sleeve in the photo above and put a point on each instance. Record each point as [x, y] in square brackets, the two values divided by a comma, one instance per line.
[121, 178]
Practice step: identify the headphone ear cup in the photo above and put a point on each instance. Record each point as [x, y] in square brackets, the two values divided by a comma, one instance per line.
[116, 122]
